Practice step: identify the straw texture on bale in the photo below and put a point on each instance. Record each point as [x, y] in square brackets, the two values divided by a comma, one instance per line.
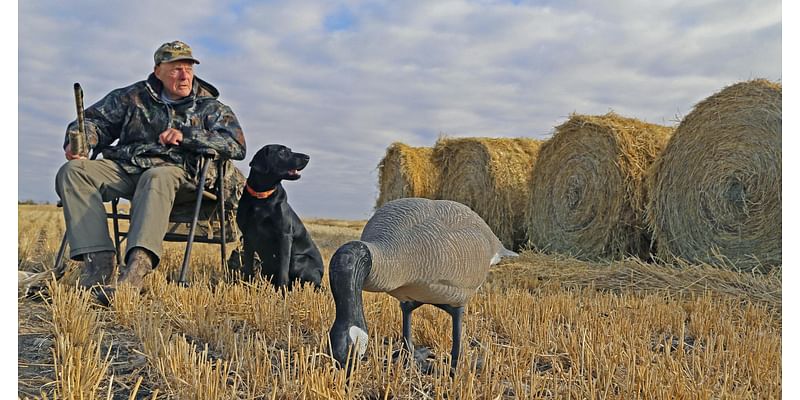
[587, 187]
[489, 175]
[716, 190]
[406, 171]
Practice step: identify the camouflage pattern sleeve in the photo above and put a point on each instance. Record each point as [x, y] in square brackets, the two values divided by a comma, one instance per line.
[220, 131]
[103, 121]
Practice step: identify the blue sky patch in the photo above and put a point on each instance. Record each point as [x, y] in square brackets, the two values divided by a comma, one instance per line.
[340, 20]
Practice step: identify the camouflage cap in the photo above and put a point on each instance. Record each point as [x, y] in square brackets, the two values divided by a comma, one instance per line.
[174, 51]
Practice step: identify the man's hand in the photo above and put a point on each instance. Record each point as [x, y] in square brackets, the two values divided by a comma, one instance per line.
[71, 156]
[170, 136]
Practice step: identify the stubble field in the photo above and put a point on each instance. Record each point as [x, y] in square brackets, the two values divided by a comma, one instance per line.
[542, 326]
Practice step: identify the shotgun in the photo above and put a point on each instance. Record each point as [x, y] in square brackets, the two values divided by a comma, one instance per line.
[77, 140]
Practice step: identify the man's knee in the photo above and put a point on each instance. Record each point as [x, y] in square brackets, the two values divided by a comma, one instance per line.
[71, 173]
[163, 179]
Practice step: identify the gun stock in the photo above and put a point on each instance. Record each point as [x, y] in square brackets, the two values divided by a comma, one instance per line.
[77, 140]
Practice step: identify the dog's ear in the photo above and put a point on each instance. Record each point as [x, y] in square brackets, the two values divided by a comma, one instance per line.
[260, 161]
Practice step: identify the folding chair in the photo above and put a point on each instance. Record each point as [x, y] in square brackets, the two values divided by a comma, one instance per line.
[204, 219]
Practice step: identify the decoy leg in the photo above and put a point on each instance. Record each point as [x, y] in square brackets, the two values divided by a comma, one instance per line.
[420, 355]
[456, 314]
[407, 307]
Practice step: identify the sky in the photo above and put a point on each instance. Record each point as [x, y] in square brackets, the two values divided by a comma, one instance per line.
[342, 80]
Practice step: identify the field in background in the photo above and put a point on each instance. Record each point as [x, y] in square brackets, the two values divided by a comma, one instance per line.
[541, 327]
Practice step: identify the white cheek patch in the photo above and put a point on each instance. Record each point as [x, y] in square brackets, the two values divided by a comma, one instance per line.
[359, 339]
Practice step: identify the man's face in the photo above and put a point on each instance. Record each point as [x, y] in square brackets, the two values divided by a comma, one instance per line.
[177, 77]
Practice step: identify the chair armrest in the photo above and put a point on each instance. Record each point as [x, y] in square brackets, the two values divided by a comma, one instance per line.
[208, 153]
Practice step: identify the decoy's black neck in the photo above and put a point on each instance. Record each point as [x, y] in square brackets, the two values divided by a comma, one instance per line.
[349, 267]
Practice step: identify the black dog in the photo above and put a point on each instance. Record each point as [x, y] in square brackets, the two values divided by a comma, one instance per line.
[270, 227]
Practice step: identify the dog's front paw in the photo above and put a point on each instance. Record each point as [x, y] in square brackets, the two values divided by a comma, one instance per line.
[282, 280]
[281, 285]
[283, 290]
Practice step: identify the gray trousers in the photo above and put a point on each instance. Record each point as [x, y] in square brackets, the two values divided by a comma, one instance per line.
[84, 185]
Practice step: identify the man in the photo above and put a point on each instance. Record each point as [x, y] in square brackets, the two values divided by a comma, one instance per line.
[160, 123]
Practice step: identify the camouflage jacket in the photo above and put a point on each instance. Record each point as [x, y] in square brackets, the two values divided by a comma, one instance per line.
[135, 116]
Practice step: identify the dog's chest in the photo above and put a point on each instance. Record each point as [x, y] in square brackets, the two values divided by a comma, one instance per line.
[265, 221]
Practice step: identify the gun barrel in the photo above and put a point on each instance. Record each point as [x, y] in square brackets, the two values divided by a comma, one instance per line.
[77, 140]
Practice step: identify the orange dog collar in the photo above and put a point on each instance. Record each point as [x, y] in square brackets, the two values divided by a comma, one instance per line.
[258, 195]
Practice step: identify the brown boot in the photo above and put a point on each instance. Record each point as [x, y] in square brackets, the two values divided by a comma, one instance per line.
[98, 268]
[139, 264]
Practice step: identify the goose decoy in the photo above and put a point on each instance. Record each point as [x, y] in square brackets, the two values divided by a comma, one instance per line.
[419, 251]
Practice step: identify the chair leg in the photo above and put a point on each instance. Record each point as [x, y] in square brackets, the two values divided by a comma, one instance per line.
[60, 265]
[222, 219]
[115, 217]
[223, 249]
[198, 203]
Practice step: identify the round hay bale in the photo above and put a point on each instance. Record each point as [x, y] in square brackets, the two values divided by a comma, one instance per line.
[490, 175]
[406, 171]
[587, 189]
[716, 190]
